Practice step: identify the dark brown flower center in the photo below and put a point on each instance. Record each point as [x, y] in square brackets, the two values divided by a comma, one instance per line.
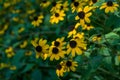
[59, 67]
[35, 18]
[73, 44]
[55, 50]
[44, 1]
[54, 3]
[72, 0]
[81, 15]
[109, 3]
[56, 43]
[38, 48]
[99, 35]
[94, 1]
[56, 14]
[68, 63]
[88, 24]
[61, 7]
[76, 4]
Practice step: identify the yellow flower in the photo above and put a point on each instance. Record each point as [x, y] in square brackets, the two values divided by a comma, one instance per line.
[37, 20]
[44, 3]
[24, 44]
[91, 2]
[56, 53]
[9, 52]
[119, 57]
[64, 6]
[2, 32]
[41, 48]
[70, 65]
[16, 19]
[3, 65]
[28, 53]
[109, 6]
[55, 6]
[13, 67]
[60, 70]
[96, 38]
[79, 35]
[76, 4]
[59, 42]
[21, 29]
[76, 46]
[3, 29]
[15, 11]
[30, 11]
[87, 27]
[6, 4]
[83, 15]
[71, 33]
[57, 16]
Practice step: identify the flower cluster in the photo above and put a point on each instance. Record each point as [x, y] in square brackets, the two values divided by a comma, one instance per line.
[63, 34]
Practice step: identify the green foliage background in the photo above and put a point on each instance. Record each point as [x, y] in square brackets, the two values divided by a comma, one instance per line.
[98, 62]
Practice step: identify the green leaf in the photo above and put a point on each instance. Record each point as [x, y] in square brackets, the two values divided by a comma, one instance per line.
[104, 51]
[112, 38]
[99, 3]
[27, 67]
[116, 29]
[108, 60]
[87, 54]
[37, 75]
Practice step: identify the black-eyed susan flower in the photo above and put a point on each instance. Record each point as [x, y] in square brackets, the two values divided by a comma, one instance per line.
[96, 38]
[83, 15]
[76, 46]
[3, 65]
[56, 5]
[37, 20]
[21, 29]
[12, 67]
[23, 44]
[57, 16]
[44, 3]
[91, 2]
[3, 29]
[79, 35]
[56, 53]
[28, 53]
[64, 6]
[70, 65]
[87, 27]
[109, 6]
[60, 69]
[31, 11]
[76, 4]
[9, 52]
[59, 42]
[41, 48]
[71, 33]
[6, 4]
